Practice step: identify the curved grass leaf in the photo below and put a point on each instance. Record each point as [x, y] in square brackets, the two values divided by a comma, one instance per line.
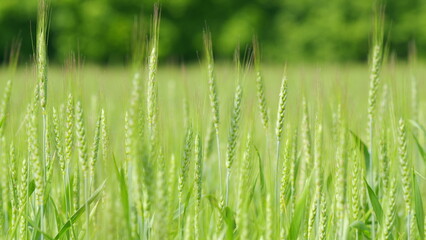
[230, 222]
[361, 226]
[124, 194]
[252, 191]
[79, 212]
[213, 201]
[2, 120]
[55, 210]
[37, 230]
[420, 148]
[378, 210]
[227, 214]
[299, 212]
[261, 174]
[420, 127]
[418, 206]
[364, 149]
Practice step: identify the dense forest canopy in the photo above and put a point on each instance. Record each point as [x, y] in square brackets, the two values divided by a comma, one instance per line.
[302, 30]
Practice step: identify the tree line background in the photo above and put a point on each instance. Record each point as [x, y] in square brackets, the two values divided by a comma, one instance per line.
[288, 30]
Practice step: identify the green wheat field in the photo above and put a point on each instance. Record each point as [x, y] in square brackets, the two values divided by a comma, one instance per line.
[237, 150]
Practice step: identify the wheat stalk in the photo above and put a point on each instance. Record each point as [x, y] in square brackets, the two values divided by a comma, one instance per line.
[232, 137]
[213, 95]
[263, 110]
[405, 171]
[186, 158]
[279, 129]
[390, 211]
[198, 171]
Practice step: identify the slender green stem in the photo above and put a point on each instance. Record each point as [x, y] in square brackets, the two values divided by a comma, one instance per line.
[27, 195]
[129, 200]
[45, 132]
[68, 197]
[277, 166]
[180, 218]
[277, 183]
[228, 178]
[373, 219]
[409, 226]
[371, 154]
[219, 161]
[86, 196]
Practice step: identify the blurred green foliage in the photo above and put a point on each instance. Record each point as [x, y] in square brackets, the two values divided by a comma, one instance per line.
[288, 30]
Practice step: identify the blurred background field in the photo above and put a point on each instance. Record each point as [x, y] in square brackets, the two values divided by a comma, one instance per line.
[289, 30]
[324, 86]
